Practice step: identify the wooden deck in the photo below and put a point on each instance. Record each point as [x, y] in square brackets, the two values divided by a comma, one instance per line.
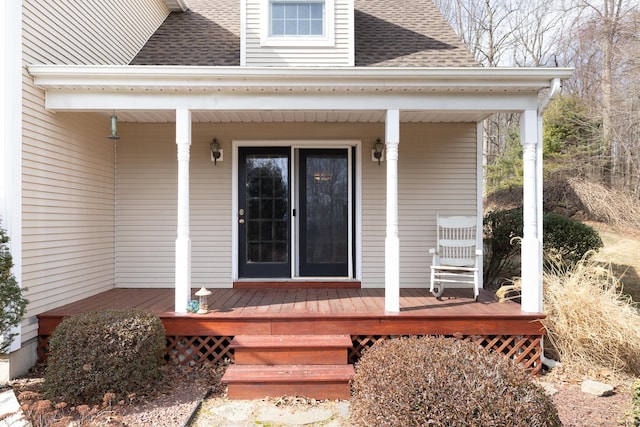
[358, 313]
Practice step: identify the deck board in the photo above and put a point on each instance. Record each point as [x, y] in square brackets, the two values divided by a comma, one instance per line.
[331, 308]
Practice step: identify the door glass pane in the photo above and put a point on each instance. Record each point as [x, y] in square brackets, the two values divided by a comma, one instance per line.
[267, 208]
[327, 200]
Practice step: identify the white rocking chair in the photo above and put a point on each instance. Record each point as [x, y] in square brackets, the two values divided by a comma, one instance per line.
[456, 260]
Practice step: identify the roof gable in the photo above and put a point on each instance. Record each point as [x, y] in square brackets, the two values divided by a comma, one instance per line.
[404, 33]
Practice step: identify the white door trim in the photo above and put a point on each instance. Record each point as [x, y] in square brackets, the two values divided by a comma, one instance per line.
[304, 144]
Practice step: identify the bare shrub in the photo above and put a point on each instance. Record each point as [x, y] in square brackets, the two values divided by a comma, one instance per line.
[107, 351]
[434, 381]
[590, 323]
[576, 198]
[606, 205]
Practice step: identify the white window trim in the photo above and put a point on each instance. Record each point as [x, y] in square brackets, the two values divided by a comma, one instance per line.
[328, 39]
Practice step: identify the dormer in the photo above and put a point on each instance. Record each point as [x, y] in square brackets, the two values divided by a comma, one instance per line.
[297, 33]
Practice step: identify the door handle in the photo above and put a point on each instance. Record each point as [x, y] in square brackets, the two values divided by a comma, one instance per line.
[241, 221]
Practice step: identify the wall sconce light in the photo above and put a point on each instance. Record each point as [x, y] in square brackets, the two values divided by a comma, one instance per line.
[114, 128]
[378, 149]
[203, 304]
[216, 151]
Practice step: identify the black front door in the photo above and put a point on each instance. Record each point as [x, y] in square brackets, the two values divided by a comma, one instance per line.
[324, 213]
[320, 239]
[264, 227]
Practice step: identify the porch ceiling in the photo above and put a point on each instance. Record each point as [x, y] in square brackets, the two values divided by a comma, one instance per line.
[289, 116]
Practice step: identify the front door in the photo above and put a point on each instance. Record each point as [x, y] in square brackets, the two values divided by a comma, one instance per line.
[324, 213]
[264, 206]
[294, 224]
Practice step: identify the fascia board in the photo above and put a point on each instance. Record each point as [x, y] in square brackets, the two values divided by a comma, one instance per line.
[179, 78]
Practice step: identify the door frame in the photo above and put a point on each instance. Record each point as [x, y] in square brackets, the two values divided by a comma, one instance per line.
[355, 264]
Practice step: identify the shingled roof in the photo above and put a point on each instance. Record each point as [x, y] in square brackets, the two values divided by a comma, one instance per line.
[387, 34]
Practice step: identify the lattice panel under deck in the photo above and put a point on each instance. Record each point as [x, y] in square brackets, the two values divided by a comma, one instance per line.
[43, 347]
[184, 350]
[524, 351]
[362, 343]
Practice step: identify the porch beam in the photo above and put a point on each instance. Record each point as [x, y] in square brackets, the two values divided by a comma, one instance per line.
[183, 240]
[468, 101]
[531, 245]
[392, 241]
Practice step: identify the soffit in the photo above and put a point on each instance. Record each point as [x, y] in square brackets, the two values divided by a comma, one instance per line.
[310, 116]
[177, 5]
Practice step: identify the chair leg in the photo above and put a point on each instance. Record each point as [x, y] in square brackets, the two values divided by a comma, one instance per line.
[476, 291]
[437, 288]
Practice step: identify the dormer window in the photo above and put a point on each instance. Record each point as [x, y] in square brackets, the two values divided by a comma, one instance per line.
[297, 18]
[297, 23]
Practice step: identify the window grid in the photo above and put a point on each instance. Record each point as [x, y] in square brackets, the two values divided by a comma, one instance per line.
[303, 18]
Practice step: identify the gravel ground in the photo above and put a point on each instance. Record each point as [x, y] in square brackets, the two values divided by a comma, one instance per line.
[182, 389]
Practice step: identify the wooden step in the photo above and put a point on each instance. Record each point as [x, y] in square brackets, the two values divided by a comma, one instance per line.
[312, 381]
[291, 349]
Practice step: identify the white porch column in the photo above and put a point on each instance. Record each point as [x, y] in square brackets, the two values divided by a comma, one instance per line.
[392, 242]
[183, 241]
[531, 244]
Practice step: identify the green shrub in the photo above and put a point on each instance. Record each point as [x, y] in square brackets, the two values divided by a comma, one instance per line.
[502, 230]
[108, 351]
[564, 240]
[12, 303]
[567, 239]
[444, 382]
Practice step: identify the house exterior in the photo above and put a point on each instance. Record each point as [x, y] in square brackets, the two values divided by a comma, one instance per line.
[295, 95]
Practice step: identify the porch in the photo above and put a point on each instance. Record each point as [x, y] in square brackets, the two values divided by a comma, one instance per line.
[356, 312]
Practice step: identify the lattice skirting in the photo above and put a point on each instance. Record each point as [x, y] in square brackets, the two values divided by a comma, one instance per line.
[185, 350]
[523, 350]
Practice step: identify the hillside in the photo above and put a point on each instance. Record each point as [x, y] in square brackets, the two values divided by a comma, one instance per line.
[622, 250]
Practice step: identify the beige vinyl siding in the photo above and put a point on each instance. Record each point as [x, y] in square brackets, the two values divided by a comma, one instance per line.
[89, 31]
[338, 55]
[146, 209]
[437, 175]
[68, 213]
[147, 183]
[68, 168]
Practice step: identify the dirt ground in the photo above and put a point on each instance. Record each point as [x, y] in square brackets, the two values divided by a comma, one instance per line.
[182, 389]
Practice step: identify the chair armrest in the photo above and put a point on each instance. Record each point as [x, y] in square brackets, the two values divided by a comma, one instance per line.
[478, 252]
[433, 251]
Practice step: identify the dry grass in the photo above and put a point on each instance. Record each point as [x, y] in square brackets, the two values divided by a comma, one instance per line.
[606, 205]
[590, 322]
[621, 249]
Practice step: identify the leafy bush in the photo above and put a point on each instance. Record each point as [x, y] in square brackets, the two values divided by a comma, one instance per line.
[564, 239]
[109, 351]
[12, 302]
[444, 382]
[502, 229]
[567, 239]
